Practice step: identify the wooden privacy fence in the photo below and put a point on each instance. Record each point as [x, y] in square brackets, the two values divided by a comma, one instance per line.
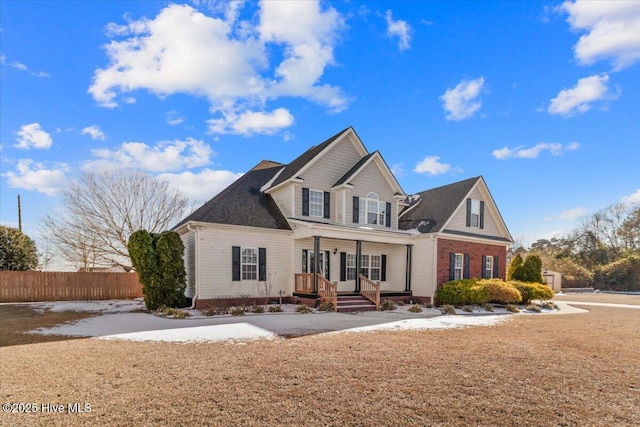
[27, 286]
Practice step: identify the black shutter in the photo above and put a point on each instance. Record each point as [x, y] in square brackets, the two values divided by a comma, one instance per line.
[468, 212]
[481, 214]
[383, 269]
[327, 204]
[356, 209]
[305, 257]
[452, 265]
[483, 272]
[388, 212]
[262, 264]
[235, 263]
[496, 268]
[466, 266]
[343, 266]
[327, 264]
[305, 202]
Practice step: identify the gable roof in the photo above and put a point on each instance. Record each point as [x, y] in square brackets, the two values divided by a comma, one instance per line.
[242, 203]
[302, 160]
[352, 172]
[429, 212]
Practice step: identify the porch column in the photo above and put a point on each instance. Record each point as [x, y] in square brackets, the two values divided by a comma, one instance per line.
[316, 262]
[407, 279]
[358, 265]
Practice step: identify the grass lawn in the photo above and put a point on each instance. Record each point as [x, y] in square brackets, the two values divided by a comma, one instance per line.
[543, 370]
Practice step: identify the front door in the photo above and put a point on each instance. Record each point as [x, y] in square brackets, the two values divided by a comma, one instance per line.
[308, 262]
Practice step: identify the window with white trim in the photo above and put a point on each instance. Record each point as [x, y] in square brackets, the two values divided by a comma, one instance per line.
[458, 263]
[249, 264]
[488, 267]
[316, 203]
[372, 210]
[351, 267]
[475, 213]
[371, 266]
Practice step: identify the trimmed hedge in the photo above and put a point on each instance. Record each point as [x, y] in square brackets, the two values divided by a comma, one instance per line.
[501, 292]
[477, 291]
[531, 291]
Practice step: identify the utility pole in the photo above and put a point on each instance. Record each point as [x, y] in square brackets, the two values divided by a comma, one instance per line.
[19, 215]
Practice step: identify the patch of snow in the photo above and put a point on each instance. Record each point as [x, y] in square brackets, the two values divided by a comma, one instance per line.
[199, 334]
[602, 304]
[108, 306]
[442, 322]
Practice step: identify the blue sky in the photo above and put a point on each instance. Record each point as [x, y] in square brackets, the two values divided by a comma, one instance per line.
[541, 98]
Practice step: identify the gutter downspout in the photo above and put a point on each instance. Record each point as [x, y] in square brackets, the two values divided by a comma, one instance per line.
[197, 266]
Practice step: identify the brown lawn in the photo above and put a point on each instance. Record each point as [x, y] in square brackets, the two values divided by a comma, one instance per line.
[543, 370]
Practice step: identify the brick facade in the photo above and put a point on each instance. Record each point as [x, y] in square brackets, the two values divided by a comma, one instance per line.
[475, 251]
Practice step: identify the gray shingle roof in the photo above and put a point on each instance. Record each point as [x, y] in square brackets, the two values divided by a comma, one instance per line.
[294, 167]
[429, 212]
[242, 203]
[347, 176]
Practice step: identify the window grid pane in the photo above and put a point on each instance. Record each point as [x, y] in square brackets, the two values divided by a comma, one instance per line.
[316, 203]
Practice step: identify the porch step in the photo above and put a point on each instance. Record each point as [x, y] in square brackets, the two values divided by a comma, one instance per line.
[353, 303]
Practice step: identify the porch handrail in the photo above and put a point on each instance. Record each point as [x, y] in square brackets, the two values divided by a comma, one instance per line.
[304, 283]
[370, 290]
[328, 291]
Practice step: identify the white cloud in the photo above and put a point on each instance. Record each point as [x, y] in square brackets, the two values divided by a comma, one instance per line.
[32, 136]
[173, 118]
[579, 99]
[200, 187]
[612, 30]
[568, 215]
[250, 122]
[462, 101]
[399, 29]
[94, 132]
[632, 199]
[520, 152]
[182, 50]
[163, 157]
[30, 175]
[20, 66]
[432, 166]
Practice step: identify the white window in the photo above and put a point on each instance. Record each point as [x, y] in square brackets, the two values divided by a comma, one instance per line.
[351, 267]
[475, 213]
[372, 210]
[249, 264]
[457, 266]
[488, 267]
[371, 266]
[316, 203]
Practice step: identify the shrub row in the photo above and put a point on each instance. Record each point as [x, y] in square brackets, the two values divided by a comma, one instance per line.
[482, 291]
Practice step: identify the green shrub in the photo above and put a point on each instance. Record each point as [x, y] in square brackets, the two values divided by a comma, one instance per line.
[415, 308]
[622, 275]
[529, 271]
[501, 292]
[237, 311]
[512, 308]
[303, 309]
[514, 265]
[531, 291]
[387, 305]
[257, 309]
[448, 309]
[462, 292]
[326, 306]
[275, 309]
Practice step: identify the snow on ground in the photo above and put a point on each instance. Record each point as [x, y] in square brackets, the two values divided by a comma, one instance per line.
[602, 304]
[108, 306]
[199, 334]
[441, 322]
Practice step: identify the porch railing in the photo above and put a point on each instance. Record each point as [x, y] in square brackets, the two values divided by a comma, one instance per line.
[328, 291]
[370, 290]
[304, 283]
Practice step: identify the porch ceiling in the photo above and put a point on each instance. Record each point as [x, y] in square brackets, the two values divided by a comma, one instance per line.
[303, 230]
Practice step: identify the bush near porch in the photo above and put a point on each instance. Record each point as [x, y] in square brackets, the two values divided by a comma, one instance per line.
[482, 291]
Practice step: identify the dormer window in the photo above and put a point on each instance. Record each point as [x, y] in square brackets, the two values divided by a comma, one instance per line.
[373, 211]
[475, 213]
[316, 201]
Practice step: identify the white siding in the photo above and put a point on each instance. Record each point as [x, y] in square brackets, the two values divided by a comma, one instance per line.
[423, 264]
[215, 263]
[283, 198]
[189, 241]
[372, 180]
[459, 219]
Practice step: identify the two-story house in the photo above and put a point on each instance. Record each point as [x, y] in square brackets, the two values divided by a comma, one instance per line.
[336, 220]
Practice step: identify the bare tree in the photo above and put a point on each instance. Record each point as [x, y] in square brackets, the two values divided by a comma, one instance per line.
[102, 209]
